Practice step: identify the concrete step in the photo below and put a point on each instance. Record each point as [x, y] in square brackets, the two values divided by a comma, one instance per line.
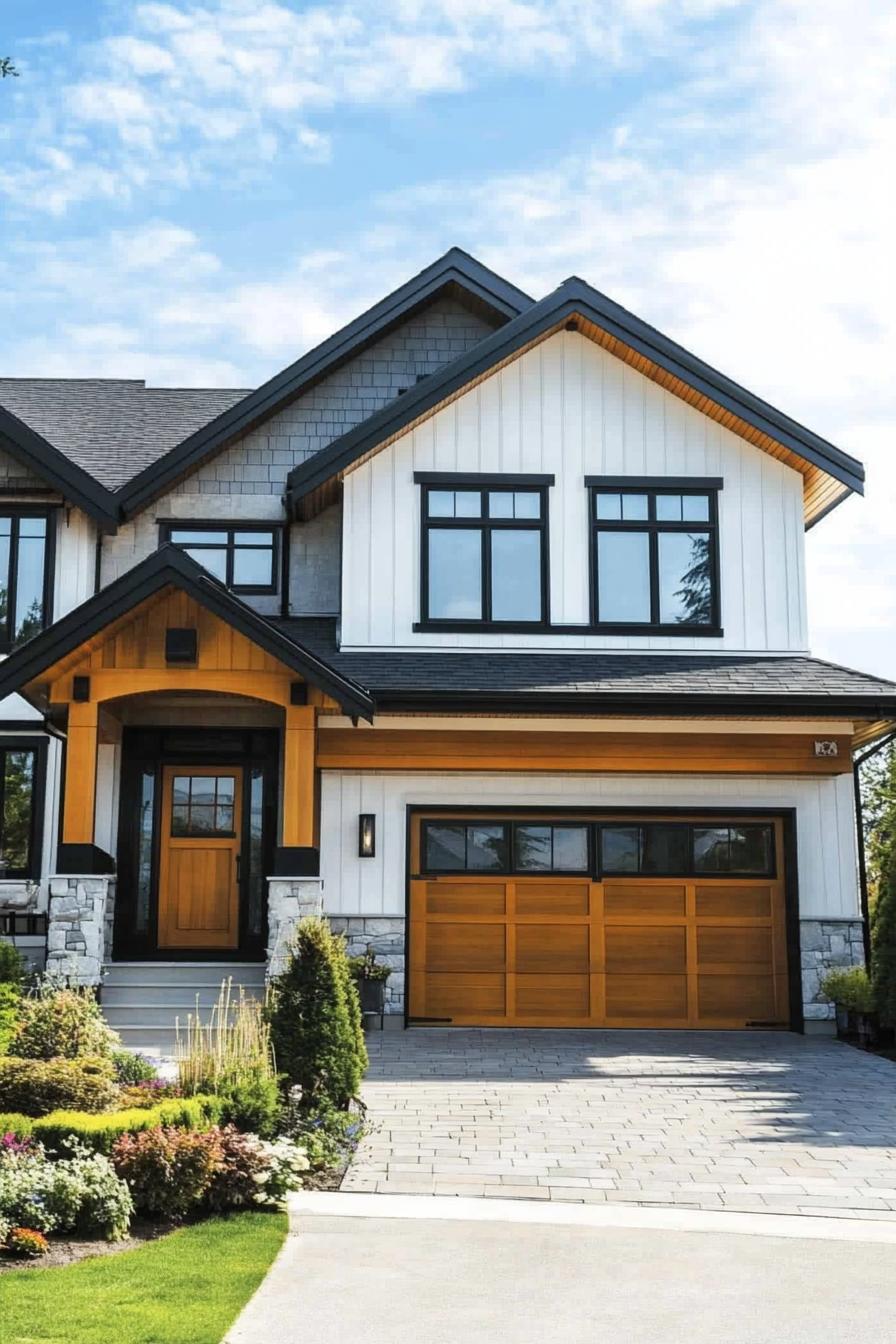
[183, 972]
[177, 996]
[142, 1001]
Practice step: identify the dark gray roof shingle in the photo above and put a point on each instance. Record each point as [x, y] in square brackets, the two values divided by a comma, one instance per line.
[113, 427]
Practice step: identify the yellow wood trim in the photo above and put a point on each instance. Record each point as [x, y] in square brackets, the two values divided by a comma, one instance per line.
[299, 809]
[115, 683]
[79, 806]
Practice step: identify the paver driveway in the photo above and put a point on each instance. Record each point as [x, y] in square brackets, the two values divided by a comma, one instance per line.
[715, 1120]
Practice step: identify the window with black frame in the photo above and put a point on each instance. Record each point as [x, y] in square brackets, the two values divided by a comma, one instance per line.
[24, 555]
[242, 556]
[654, 555]
[18, 769]
[484, 554]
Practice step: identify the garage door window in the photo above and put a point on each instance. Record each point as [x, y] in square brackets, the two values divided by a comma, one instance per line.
[674, 850]
[562, 849]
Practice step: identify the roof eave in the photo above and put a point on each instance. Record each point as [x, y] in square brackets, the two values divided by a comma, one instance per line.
[641, 704]
[38, 455]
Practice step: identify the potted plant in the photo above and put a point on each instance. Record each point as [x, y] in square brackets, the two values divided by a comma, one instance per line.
[851, 992]
[370, 976]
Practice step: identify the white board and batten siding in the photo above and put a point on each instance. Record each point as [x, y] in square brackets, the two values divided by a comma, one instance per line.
[569, 408]
[825, 823]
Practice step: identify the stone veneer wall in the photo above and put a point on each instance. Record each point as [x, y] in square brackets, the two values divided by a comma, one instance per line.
[290, 899]
[824, 944]
[386, 937]
[79, 924]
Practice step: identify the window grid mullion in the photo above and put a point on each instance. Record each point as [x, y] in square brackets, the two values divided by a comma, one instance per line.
[13, 581]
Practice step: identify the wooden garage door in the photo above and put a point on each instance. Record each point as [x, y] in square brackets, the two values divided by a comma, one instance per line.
[619, 952]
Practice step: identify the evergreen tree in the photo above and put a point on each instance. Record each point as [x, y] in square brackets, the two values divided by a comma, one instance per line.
[316, 1020]
[878, 783]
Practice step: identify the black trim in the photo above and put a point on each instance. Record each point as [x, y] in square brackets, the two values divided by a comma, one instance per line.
[36, 453]
[787, 816]
[478, 479]
[39, 804]
[230, 547]
[169, 566]
[84, 859]
[675, 485]
[573, 298]
[655, 527]
[456, 272]
[486, 526]
[296, 861]
[653, 705]
[547, 628]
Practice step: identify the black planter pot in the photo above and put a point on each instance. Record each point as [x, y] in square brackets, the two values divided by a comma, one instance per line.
[372, 994]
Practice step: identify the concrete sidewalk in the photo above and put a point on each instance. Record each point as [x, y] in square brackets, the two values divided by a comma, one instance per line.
[390, 1268]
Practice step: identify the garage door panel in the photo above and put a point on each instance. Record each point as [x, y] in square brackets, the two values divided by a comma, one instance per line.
[465, 947]
[558, 948]
[552, 898]
[734, 902]
[466, 898]
[564, 997]
[647, 998]
[643, 900]
[465, 996]
[639, 948]
[751, 997]
[734, 946]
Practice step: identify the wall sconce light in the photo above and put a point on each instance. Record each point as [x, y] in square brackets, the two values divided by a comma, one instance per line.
[366, 835]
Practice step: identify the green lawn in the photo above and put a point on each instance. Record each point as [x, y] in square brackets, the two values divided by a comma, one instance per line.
[186, 1288]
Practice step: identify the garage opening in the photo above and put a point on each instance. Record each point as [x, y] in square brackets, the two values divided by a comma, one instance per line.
[597, 921]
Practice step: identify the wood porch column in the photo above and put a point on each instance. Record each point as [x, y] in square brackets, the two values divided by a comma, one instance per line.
[299, 809]
[80, 774]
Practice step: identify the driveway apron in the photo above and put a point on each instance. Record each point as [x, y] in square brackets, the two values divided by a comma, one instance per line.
[752, 1121]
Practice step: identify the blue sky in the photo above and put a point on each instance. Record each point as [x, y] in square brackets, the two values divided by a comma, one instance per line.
[194, 193]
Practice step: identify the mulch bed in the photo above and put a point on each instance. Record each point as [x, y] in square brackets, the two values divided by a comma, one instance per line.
[64, 1251]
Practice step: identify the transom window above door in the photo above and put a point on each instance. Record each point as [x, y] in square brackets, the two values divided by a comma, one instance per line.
[244, 556]
[655, 555]
[484, 551]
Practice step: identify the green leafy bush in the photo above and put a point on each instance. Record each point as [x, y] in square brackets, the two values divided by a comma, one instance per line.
[883, 960]
[12, 967]
[366, 967]
[252, 1104]
[253, 1171]
[131, 1068]
[101, 1132]
[26, 1242]
[316, 1019]
[38, 1086]
[10, 1003]
[327, 1135]
[80, 1193]
[61, 1023]
[168, 1171]
[16, 1125]
[849, 988]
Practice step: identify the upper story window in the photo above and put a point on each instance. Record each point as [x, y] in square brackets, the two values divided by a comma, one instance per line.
[655, 561]
[21, 776]
[24, 574]
[243, 556]
[484, 550]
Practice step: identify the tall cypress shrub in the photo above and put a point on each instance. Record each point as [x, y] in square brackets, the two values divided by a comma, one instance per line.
[315, 1019]
[879, 799]
[883, 953]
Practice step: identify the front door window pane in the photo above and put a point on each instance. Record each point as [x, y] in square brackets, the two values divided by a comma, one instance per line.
[255, 875]
[516, 575]
[202, 805]
[623, 576]
[145, 850]
[455, 574]
[685, 578]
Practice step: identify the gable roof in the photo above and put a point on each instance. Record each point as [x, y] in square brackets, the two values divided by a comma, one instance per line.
[113, 428]
[169, 567]
[43, 459]
[829, 473]
[456, 273]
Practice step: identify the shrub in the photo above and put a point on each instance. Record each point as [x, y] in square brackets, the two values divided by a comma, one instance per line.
[12, 967]
[80, 1193]
[316, 1019]
[883, 960]
[231, 1056]
[253, 1171]
[327, 1136]
[17, 1140]
[144, 1095]
[101, 1132]
[366, 967]
[849, 988]
[26, 1242]
[61, 1023]
[168, 1171]
[10, 1003]
[38, 1086]
[132, 1068]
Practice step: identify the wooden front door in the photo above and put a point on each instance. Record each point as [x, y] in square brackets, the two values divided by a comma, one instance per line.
[199, 857]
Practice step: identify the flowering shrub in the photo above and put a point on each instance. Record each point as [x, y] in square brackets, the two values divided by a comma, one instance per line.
[38, 1086]
[78, 1193]
[63, 1023]
[253, 1171]
[327, 1135]
[11, 1143]
[26, 1242]
[168, 1171]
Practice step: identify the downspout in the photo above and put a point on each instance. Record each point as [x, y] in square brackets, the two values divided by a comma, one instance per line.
[858, 762]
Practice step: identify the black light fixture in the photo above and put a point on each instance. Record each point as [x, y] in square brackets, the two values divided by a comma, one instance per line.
[366, 835]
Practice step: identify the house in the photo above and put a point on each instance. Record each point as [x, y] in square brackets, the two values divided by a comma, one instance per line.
[483, 626]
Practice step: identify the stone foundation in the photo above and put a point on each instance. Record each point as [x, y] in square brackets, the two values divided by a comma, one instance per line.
[386, 937]
[78, 926]
[290, 899]
[824, 944]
